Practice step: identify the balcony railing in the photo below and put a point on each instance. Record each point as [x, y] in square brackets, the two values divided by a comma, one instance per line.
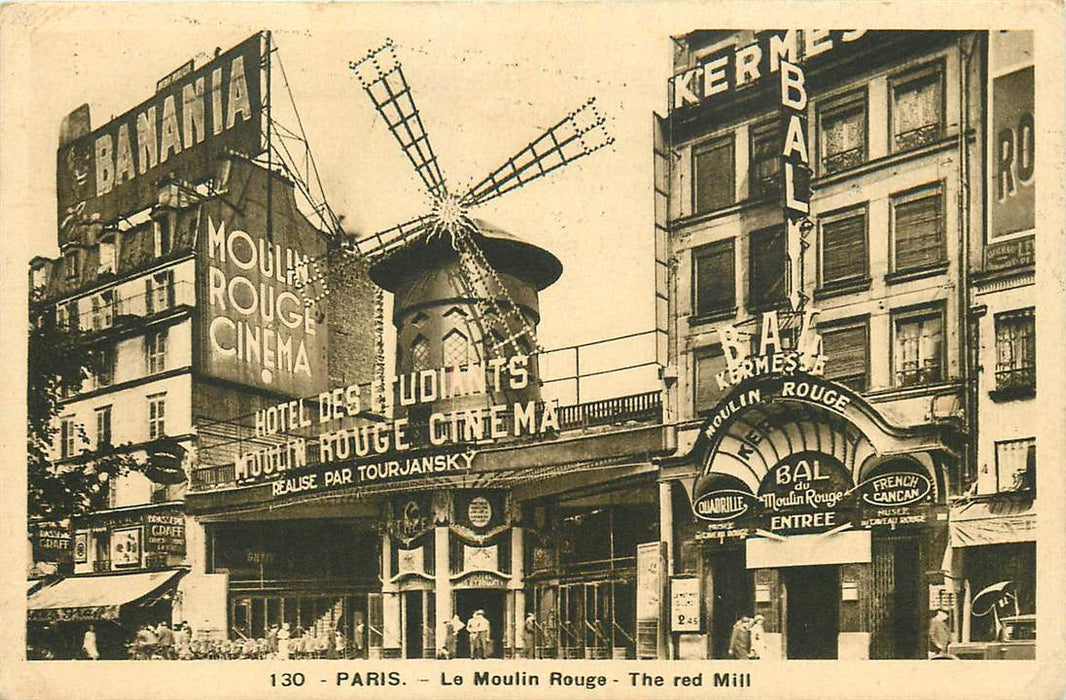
[125, 310]
[1016, 379]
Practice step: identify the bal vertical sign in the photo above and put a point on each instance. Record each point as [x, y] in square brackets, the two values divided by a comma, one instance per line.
[796, 189]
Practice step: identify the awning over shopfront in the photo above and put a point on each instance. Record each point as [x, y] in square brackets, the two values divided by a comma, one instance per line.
[993, 522]
[32, 585]
[85, 598]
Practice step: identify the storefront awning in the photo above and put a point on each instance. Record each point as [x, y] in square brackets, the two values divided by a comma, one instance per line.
[992, 522]
[33, 585]
[84, 598]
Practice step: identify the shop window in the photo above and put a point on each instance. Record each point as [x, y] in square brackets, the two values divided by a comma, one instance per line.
[714, 278]
[420, 354]
[155, 348]
[456, 349]
[714, 175]
[764, 177]
[102, 552]
[103, 305]
[918, 348]
[918, 229]
[847, 347]
[1016, 352]
[103, 427]
[844, 252]
[1016, 465]
[842, 133]
[917, 107]
[159, 291]
[157, 409]
[708, 363]
[67, 432]
[767, 260]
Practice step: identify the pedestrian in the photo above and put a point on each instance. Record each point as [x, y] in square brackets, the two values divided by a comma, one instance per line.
[740, 639]
[480, 635]
[758, 638]
[529, 635]
[939, 633]
[272, 639]
[165, 639]
[340, 647]
[88, 644]
[283, 641]
[359, 637]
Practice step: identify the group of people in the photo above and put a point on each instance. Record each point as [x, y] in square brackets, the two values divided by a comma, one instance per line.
[748, 639]
[479, 631]
[317, 643]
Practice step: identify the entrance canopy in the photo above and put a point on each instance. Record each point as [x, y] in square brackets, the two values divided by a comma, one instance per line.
[86, 598]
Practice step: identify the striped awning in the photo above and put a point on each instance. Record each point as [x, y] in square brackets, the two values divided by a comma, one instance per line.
[86, 598]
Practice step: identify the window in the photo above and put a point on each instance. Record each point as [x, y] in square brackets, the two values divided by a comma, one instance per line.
[159, 291]
[103, 310]
[103, 427]
[844, 254]
[102, 551]
[708, 363]
[843, 133]
[1016, 464]
[64, 317]
[767, 258]
[456, 349]
[162, 230]
[764, 178]
[714, 278]
[155, 347]
[104, 366]
[67, 431]
[846, 345]
[917, 107]
[420, 354]
[70, 264]
[159, 493]
[919, 347]
[157, 410]
[1016, 351]
[713, 175]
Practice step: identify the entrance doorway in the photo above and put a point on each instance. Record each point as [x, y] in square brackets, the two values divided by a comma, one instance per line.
[812, 606]
[412, 625]
[493, 603]
[733, 597]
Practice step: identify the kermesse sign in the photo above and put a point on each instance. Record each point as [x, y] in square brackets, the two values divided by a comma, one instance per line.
[112, 171]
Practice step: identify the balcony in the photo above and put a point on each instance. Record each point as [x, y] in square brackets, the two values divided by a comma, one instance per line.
[1014, 383]
[130, 311]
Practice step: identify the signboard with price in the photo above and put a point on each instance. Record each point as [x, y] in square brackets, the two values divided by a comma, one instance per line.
[685, 604]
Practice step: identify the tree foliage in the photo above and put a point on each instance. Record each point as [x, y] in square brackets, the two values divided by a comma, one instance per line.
[61, 359]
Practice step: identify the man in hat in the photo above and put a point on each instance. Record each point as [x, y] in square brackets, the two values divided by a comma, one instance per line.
[479, 629]
[529, 635]
[939, 633]
[740, 639]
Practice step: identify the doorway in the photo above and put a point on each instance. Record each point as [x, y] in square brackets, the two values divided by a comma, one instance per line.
[733, 594]
[812, 617]
[493, 603]
[412, 625]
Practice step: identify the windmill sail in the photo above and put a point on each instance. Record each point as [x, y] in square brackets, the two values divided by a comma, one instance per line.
[382, 78]
[578, 134]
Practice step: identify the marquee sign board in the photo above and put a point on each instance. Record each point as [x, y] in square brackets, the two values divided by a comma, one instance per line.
[190, 121]
[807, 469]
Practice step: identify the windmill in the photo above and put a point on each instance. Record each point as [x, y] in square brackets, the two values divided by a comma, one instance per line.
[505, 329]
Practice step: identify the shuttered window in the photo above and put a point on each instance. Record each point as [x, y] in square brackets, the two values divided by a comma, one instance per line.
[845, 346]
[767, 267]
[709, 362]
[714, 282]
[714, 175]
[844, 247]
[918, 229]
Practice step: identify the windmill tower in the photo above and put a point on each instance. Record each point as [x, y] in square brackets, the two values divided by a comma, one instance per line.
[465, 291]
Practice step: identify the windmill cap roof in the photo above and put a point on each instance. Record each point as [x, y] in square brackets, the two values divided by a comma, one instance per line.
[505, 251]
